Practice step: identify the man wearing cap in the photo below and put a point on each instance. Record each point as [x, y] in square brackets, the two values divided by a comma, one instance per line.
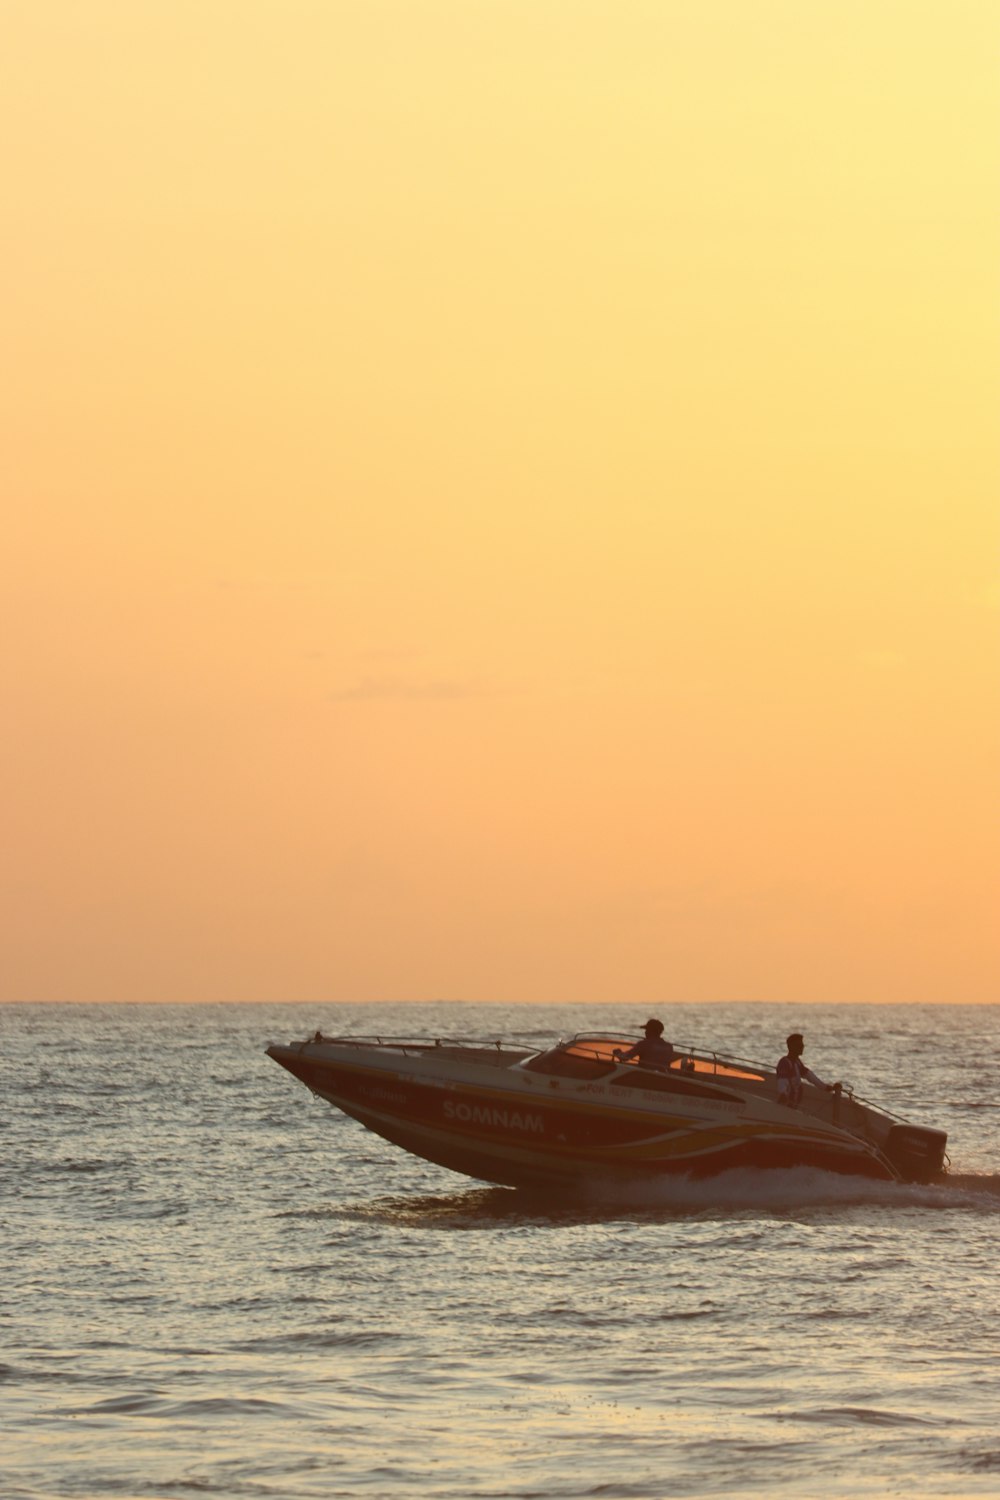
[792, 1070]
[652, 1051]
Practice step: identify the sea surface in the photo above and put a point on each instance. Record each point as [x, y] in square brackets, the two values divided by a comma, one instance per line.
[213, 1285]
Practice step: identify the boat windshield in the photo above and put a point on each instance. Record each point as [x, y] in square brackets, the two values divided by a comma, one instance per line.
[593, 1057]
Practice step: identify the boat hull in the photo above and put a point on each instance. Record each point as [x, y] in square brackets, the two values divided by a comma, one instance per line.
[532, 1134]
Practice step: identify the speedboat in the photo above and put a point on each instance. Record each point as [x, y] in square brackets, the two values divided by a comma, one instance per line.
[577, 1112]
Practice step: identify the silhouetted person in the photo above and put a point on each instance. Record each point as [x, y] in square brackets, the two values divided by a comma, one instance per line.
[652, 1051]
[792, 1070]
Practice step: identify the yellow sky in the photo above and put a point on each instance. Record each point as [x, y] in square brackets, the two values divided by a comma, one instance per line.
[501, 500]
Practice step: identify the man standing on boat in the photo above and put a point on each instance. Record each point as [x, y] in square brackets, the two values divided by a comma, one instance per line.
[792, 1070]
[652, 1051]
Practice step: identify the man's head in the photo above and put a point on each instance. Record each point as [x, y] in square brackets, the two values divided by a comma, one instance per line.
[653, 1028]
[795, 1044]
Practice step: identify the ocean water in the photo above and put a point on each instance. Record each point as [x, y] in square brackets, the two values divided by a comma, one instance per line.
[214, 1285]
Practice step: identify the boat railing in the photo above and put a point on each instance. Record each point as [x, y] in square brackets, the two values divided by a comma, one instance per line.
[725, 1064]
[594, 1043]
[409, 1044]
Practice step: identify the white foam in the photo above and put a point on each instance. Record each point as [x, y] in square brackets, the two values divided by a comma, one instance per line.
[797, 1187]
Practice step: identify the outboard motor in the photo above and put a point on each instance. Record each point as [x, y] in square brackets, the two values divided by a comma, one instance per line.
[916, 1153]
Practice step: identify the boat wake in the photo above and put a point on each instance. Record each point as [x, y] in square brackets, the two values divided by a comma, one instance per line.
[805, 1187]
[744, 1192]
[987, 1183]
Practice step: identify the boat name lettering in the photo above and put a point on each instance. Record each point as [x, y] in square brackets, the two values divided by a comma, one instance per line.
[486, 1114]
[391, 1096]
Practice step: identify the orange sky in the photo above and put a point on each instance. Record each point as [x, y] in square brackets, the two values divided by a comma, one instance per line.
[501, 500]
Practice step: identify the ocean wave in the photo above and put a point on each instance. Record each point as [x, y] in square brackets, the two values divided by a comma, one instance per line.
[25, 1374]
[161, 1405]
[863, 1416]
[85, 1165]
[312, 1339]
[981, 1460]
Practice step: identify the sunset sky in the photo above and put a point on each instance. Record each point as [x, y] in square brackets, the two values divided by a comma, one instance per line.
[501, 500]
